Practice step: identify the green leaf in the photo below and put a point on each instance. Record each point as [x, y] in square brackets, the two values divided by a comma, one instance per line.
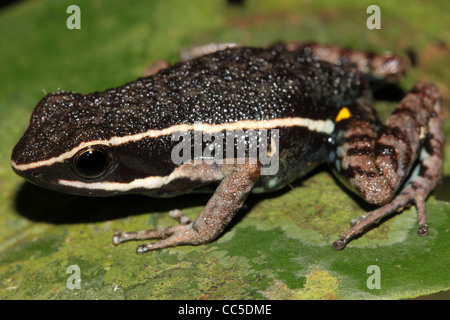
[279, 246]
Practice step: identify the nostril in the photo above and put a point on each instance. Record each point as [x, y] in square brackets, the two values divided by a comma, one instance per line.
[36, 175]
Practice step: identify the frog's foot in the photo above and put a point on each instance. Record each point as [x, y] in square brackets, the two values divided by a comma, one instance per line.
[410, 195]
[223, 205]
[373, 217]
[170, 237]
[120, 237]
[180, 217]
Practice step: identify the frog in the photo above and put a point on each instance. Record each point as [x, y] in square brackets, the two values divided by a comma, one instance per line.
[316, 98]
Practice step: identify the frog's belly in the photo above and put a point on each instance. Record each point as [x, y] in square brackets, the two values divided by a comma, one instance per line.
[267, 183]
[276, 182]
[298, 155]
[286, 174]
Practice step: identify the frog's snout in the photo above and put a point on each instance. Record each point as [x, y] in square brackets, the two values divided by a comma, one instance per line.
[32, 175]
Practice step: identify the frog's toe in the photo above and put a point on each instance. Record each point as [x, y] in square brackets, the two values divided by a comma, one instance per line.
[178, 235]
[168, 237]
[421, 214]
[354, 222]
[423, 230]
[179, 216]
[120, 237]
[339, 244]
[117, 238]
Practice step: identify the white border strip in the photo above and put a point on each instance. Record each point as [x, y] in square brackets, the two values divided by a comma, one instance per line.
[146, 183]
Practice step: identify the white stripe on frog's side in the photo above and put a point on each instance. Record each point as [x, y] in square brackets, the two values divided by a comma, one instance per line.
[148, 183]
[321, 126]
[155, 182]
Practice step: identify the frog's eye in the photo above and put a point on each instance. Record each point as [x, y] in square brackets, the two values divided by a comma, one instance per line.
[92, 162]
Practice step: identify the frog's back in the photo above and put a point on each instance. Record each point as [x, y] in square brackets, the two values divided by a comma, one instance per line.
[233, 85]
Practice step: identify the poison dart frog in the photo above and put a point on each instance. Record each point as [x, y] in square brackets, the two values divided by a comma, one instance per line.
[314, 99]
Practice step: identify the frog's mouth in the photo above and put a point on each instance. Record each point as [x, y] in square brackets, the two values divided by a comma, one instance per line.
[40, 176]
[29, 175]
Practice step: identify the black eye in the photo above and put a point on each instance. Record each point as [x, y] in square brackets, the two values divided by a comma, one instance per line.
[92, 162]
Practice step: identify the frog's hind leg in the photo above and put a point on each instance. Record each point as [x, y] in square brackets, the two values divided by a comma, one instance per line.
[187, 54]
[382, 66]
[409, 145]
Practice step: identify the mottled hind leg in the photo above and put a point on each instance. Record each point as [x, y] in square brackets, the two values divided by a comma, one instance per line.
[220, 209]
[385, 66]
[427, 172]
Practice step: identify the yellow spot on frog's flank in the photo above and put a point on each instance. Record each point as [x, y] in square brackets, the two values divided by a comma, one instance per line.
[423, 133]
[343, 114]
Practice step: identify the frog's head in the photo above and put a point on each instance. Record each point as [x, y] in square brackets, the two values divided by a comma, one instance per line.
[72, 145]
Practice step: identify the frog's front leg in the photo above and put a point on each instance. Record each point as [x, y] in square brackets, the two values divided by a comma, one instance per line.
[198, 51]
[412, 139]
[220, 209]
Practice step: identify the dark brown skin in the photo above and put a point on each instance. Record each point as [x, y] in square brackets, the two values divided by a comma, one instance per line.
[392, 165]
